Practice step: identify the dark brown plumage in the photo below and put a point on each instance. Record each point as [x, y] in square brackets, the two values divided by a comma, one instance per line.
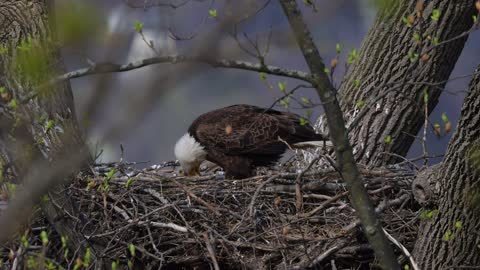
[241, 137]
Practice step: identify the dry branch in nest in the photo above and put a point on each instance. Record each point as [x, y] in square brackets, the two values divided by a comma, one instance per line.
[176, 222]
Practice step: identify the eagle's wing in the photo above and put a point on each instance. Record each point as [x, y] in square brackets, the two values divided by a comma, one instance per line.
[249, 130]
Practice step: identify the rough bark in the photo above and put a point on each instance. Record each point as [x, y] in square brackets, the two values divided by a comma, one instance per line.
[451, 239]
[383, 69]
[345, 161]
[26, 140]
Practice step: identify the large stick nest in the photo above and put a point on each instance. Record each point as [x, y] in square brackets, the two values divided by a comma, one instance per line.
[255, 223]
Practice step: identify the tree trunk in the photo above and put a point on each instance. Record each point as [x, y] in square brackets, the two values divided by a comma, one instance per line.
[451, 238]
[38, 119]
[383, 66]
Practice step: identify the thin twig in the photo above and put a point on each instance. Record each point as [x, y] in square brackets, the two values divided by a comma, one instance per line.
[211, 251]
[196, 198]
[298, 185]
[403, 249]
[325, 204]
[257, 192]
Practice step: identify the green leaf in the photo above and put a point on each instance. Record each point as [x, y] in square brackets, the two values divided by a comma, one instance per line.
[360, 104]
[3, 49]
[425, 95]
[326, 70]
[90, 184]
[305, 100]
[51, 266]
[474, 17]
[78, 265]
[13, 104]
[445, 118]
[129, 182]
[412, 56]
[50, 125]
[110, 174]
[212, 13]
[447, 236]
[64, 241]
[303, 121]
[131, 248]
[25, 45]
[24, 241]
[2, 89]
[339, 48]
[436, 41]
[352, 56]
[282, 87]
[458, 225]
[356, 83]
[432, 213]
[435, 14]
[12, 188]
[416, 37]
[44, 237]
[406, 267]
[388, 139]
[87, 258]
[31, 262]
[263, 76]
[428, 214]
[138, 26]
[285, 102]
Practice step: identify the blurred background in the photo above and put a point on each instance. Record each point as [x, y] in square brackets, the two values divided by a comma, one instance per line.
[182, 94]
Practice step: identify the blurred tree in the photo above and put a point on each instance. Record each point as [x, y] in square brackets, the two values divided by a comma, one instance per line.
[38, 123]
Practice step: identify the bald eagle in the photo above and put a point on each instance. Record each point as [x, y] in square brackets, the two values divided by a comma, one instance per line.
[240, 138]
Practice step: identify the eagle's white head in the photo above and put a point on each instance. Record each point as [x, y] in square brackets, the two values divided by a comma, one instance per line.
[190, 154]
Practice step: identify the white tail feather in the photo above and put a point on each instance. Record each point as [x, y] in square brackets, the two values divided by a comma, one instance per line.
[313, 144]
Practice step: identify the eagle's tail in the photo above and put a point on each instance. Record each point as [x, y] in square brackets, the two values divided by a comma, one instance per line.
[313, 144]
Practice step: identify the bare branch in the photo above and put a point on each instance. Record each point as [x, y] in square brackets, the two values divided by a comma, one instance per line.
[107, 67]
[339, 137]
[403, 249]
